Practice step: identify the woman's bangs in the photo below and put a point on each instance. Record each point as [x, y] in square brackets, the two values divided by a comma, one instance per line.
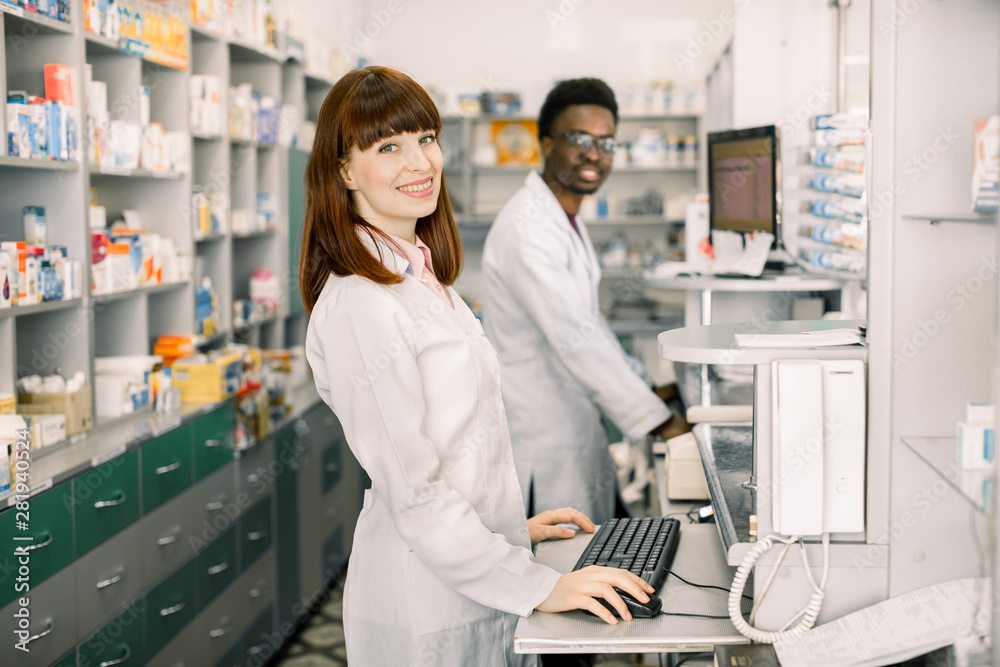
[384, 106]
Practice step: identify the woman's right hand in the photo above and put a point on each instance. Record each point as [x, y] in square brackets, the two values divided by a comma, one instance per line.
[581, 588]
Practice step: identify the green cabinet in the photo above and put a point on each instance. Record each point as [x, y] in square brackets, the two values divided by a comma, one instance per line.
[169, 607]
[255, 532]
[166, 467]
[257, 647]
[68, 660]
[119, 643]
[214, 440]
[287, 527]
[216, 566]
[49, 524]
[106, 500]
[333, 464]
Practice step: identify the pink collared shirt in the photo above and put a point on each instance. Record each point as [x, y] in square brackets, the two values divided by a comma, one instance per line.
[419, 257]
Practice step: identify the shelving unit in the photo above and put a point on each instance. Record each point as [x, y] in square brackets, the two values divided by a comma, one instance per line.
[128, 322]
[66, 336]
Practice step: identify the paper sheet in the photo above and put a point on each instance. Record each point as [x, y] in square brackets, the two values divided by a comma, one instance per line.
[894, 630]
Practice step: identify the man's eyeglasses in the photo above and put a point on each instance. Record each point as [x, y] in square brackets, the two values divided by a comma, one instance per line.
[584, 142]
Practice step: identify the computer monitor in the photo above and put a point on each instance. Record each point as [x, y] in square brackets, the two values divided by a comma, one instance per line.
[743, 181]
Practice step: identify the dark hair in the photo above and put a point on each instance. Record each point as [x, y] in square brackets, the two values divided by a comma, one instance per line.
[365, 106]
[573, 92]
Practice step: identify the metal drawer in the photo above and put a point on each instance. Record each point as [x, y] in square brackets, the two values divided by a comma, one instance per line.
[52, 623]
[107, 578]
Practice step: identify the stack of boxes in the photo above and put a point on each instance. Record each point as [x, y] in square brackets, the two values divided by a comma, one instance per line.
[116, 144]
[253, 116]
[53, 9]
[44, 128]
[31, 271]
[124, 257]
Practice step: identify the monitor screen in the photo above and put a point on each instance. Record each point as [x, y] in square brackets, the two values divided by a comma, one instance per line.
[743, 180]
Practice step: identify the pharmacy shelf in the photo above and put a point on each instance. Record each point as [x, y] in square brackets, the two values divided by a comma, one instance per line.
[108, 297]
[204, 32]
[940, 455]
[12, 162]
[98, 170]
[254, 235]
[318, 80]
[632, 220]
[205, 136]
[27, 23]
[37, 308]
[966, 216]
[101, 44]
[244, 50]
[259, 145]
[209, 238]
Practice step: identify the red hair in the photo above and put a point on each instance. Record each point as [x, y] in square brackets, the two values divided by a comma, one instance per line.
[364, 107]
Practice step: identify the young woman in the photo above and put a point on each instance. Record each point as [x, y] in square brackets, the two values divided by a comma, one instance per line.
[441, 564]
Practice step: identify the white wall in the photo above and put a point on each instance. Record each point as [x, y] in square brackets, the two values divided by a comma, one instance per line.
[526, 45]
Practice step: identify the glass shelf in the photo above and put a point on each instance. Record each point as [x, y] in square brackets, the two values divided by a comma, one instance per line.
[954, 217]
[940, 453]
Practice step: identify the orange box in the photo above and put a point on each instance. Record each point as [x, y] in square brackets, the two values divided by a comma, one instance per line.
[59, 83]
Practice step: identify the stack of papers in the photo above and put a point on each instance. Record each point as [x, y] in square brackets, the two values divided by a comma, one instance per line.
[822, 338]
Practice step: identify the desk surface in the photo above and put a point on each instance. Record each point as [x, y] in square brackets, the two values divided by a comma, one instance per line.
[699, 559]
[716, 343]
[775, 283]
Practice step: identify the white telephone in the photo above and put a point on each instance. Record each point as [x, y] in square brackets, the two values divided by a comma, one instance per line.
[818, 447]
[818, 475]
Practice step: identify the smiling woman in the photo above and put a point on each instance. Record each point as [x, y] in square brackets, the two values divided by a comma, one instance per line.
[375, 164]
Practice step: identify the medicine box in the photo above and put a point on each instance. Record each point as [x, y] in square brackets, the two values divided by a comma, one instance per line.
[77, 406]
[206, 381]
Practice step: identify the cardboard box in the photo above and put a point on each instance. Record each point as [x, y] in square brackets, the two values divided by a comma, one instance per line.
[211, 381]
[77, 406]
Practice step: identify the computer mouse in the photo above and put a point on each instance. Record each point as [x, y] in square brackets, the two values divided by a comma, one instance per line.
[636, 608]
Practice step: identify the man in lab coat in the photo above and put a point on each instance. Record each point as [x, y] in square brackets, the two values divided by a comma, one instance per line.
[562, 366]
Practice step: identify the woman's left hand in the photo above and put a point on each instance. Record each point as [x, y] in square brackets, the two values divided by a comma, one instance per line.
[546, 525]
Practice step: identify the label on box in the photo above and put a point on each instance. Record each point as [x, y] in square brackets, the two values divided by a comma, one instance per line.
[104, 457]
[11, 9]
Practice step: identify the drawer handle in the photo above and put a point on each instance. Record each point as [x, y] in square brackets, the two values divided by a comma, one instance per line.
[117, 661]
[218, 632]
[254, 650]
[257, 535]
[170, 539]
[46, 543]
[112, 580]
[169, 611]
[253, 478]
[163, 470]
[258, 590]
[48, 629]
[215, 506]
[111, 503]
[221, 567]
[214, 442]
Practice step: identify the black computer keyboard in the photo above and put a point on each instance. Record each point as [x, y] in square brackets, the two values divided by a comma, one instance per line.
[644, 547]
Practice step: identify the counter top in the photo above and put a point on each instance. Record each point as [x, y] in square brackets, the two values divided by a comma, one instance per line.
[110, 440]
[767, 283]
[716, 343]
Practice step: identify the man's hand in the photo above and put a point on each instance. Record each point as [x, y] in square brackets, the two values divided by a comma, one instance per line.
[545, 525]
[673, 427]
[668, 392]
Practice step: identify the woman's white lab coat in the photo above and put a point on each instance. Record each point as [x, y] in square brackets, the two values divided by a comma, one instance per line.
[441, 563]
[562, 365]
